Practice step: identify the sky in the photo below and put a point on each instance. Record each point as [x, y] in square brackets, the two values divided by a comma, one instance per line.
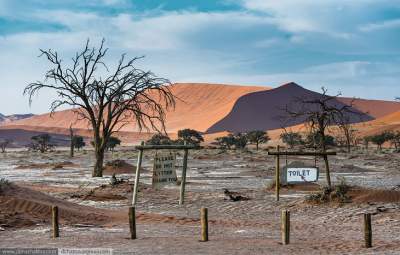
[351, 46]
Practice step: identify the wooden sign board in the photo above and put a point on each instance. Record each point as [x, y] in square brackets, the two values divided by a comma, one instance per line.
[302, 174]
[297, 172]
[164, 169]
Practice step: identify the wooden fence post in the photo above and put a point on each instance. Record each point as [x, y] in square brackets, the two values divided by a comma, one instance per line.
[183, 180]
[285, 226]
[204, 224]
[277, 175]
[137, 175]
[54, 220]
[367, 230]
[132, 222]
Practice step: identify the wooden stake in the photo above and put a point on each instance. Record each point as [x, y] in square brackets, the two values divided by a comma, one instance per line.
[137, 175]
[204, 224]
[277, 175]
[285, 226]
[183, 180]
[132, 222]
[54, 220]
[367, 230]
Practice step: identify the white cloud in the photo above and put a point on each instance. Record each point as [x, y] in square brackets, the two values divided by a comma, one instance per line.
[389, 24]
[239, 47]
[376, 80]
[332, 17]
[267, 43]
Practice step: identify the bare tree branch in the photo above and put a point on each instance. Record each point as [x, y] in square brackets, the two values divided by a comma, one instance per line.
[108, 104]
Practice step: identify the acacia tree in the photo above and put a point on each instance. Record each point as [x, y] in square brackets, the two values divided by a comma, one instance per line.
[190, 136]
[395, 139]
[159, 139]
[257, 136]
[107, 99]
[380, 139]
[41, 143]
[291, 138]
[78, 142]
[319, 113]
[112, 143]
[225, 142]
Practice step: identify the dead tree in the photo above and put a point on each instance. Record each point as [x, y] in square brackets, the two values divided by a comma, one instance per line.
[319, 113]
[345, 125]
[107, 99]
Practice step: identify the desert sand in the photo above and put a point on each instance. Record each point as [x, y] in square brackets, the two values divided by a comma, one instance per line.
[94, 214]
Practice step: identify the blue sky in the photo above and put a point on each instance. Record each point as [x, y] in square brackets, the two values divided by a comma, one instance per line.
[350, 46]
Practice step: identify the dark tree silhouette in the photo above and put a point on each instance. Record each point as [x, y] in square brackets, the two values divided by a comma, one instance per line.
[41, 143]
[190, 136]
[380, 139]
[291, 138]
[113, 142]
[257, 137]
[71, 144]
[3, 144]
[78, 142]
[107, 99]
[225, 142]
[159, 139]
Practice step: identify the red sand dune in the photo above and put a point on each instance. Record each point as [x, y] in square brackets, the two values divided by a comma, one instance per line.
[265, 110]
[212, 108]
[198, 107]
[375, 108]
[390, 122]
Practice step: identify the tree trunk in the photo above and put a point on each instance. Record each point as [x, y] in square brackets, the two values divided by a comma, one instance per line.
[348, 143]
[98, 166]
[71, 149]
[328, 173]
[256, 145]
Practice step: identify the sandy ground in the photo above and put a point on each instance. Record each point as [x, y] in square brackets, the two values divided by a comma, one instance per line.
[164, 227]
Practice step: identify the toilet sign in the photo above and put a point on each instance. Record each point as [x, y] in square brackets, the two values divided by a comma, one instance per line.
[301, 174]
[297, 172]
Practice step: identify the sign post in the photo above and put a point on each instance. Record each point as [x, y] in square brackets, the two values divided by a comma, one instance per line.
[277, 173]
[310, 172]
[183, 180]
[137, 175]
[143, 147]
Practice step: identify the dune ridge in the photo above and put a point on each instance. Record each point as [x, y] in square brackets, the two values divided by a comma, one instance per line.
[213, 109]
[198, 106]
[265, 110]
